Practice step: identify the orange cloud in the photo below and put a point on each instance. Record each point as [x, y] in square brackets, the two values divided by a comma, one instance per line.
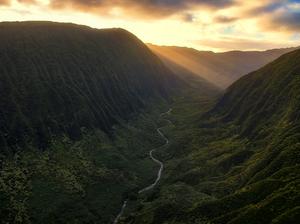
[241, 43]
[215, 24]
[4, 2]
[145, 8]
[27, 1]
[281, 15]
[225, 19]
[282, 21]
[7, 2]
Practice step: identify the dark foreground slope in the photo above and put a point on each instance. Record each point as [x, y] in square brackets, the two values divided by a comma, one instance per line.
[58, 78]
[79, 111]
[222, 69]
[75, 127]
[239, 163]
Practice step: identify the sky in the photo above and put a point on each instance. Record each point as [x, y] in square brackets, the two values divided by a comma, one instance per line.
[217, 25]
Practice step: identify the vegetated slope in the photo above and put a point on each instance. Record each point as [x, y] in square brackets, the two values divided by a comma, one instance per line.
[266, 98]
[240, 162]
[57, 78]
[265, 106]
[84, 97]
[91, 100]
[222, 69]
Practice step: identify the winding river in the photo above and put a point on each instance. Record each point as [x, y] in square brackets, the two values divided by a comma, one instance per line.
[151, 186]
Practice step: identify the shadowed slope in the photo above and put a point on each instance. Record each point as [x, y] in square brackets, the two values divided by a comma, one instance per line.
[58, 78]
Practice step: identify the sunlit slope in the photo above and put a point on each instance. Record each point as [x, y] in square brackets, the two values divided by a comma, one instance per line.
[265, 98]
[60, 78]
[192, 80]
[260, 164]
[222, 69]
[238, 162]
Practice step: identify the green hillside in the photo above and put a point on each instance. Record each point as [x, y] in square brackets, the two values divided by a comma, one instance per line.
[265, 98]
[80, 111]
[79, 108]
[59, 78]
[237, 162]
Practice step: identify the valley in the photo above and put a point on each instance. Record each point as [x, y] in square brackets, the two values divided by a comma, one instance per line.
[220, 168]
[97, 127]
[159, 173]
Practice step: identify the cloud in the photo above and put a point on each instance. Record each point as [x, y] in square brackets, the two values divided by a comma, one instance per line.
[4, 2]
[267, 7]
[223, 24]
[225, 19]
[7, 2]
[270, 14]
[283, 21]
[281, 15]
[188, 17]
[27, 1]
[240, 43]
[146, 8]
[170, 4]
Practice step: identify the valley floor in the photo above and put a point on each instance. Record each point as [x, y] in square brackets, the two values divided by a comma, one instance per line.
[211, 174]
[84, 181]
[155, 160]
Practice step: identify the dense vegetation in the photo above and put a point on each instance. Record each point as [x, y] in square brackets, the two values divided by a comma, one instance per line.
[222, 69]
[237, 162]
[75, 121]
[79, 108]
[83, 181]
[59, 78]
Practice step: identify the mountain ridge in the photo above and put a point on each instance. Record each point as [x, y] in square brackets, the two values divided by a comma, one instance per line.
[75, 121]
[221, 68]
[237, 161]
[51, 74]
[80, 111]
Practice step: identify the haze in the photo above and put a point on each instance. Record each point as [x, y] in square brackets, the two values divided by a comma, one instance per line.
[206, 25]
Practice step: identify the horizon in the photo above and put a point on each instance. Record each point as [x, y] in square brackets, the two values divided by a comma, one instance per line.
[202, 25]
[176, 46]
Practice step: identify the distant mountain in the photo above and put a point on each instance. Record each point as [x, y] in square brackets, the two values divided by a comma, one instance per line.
[238, 162]
[58, 78]
[221, 69]
[192, 80]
